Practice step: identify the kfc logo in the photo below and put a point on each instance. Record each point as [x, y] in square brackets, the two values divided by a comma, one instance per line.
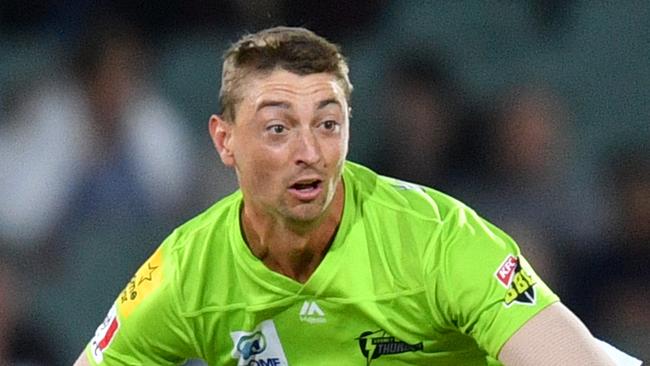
[505, 273]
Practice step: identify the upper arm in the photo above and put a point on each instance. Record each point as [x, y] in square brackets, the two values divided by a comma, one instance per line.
[145, 325]
[555, 336]
[481, 285]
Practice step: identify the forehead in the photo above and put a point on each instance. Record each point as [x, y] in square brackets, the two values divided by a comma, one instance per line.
[292, 88]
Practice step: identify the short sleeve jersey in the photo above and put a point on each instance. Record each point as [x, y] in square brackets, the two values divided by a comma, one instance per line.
[412, 277]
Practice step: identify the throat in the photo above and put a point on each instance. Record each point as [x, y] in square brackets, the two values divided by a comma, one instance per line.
[298, 264]
[283, 247]
[291, 254]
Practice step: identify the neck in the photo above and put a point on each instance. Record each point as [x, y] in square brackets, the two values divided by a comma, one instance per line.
[293, 249]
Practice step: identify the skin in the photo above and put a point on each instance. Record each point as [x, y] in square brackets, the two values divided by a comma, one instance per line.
[291, 132]
[555, 336]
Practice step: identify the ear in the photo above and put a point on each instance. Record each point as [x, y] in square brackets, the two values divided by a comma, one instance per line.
[221, 133]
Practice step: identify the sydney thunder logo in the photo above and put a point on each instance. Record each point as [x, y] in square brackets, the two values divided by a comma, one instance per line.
[379, 343]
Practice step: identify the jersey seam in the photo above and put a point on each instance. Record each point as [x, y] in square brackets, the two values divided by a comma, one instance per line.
[443, 281]
[403, 209]
[370, 197]
[338, 300]
[184, 231]
[175, 295]
[427, 289]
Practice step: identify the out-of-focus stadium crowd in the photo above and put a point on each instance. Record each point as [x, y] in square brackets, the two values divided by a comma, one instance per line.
[535, 113]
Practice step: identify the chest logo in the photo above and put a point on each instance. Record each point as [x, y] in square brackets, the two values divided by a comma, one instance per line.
[259, 347]
[251, 345]
[312, 313]
[378, 343]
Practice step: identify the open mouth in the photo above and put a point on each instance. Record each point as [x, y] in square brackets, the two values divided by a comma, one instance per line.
[307, 190]
[306, 186]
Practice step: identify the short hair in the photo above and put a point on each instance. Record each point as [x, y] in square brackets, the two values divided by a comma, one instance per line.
[294, 49]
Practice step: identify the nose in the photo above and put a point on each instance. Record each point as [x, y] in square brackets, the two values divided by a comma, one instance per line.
[308, 150]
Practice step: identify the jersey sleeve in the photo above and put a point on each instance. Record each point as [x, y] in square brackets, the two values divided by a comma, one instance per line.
[144, 326]
[483, 285]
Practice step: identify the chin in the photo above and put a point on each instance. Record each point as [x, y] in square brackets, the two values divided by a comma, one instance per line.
[307, 214]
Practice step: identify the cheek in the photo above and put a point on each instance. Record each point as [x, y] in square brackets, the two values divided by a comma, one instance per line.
[339, 151]
[258, 171]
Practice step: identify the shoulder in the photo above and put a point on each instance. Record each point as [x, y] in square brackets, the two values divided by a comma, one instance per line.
[199, 251]
[217, 219]
[394, 196]
[419, 221]
[408, 214]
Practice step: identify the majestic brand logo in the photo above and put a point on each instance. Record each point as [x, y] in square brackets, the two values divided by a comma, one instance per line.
[518, 283]
[379, 343]
[312, 313]
[259, 347]
[104, 335]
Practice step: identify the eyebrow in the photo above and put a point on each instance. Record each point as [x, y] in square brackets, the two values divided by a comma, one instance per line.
[272, 103]
[327, 102]
[284, 105]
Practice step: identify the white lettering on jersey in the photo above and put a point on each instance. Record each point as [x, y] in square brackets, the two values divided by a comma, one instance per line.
[312, 313]
[261, 346]
[104, 335]
[506, 271]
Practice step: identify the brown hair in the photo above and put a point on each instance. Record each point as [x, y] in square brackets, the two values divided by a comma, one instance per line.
[296, 50]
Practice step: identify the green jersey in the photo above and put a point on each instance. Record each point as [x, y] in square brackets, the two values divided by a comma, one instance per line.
[412, 277]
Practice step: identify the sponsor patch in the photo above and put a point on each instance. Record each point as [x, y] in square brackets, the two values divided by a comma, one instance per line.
[146, 279]
[104, 335]
[506, 271]
[378, 343]
[259, 347]
[520, 286]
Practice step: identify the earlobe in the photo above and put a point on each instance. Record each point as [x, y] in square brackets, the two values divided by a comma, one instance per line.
[221, 133]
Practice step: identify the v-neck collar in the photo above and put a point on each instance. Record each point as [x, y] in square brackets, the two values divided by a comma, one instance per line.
[257, 271]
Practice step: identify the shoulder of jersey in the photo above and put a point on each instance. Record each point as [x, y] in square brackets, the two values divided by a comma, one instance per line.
[206, 221]
[203, 236]
[405, 197]
[193, 249]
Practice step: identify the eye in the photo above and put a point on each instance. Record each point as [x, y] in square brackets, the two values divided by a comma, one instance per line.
[277, 129]
[330, 125]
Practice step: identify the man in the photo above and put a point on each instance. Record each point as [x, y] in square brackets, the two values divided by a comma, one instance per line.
[319, 261]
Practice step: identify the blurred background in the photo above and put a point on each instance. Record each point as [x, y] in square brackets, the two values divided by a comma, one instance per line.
[535, 113]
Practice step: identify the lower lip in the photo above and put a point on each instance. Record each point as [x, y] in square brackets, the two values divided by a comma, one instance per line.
[306, 194]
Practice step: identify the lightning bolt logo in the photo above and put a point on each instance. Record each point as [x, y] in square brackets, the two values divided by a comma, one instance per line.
[370, 351]
[379, 343]
[367, 345]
